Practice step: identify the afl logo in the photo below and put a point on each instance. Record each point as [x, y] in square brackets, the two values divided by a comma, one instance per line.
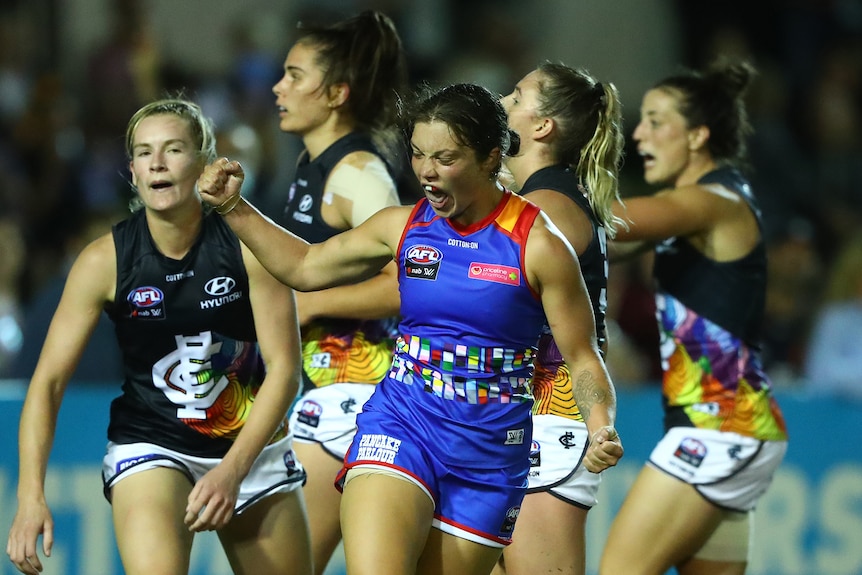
[146, 296]
[691, 451]
[311, 408]
[423, 255]
[220, 286]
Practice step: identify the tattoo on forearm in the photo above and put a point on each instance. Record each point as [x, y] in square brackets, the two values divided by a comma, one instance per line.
[588, 393]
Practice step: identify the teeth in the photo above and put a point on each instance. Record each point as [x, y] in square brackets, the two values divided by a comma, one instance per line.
[429, 188]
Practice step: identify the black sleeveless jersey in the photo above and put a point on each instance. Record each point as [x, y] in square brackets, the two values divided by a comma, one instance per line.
[185, 328]
[335, 350]
[302, 213]
[552, 381]
[730, 294]
[594, 260]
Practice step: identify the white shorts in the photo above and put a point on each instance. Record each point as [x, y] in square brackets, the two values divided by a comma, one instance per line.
[729, 470]
[275, 470]
[327, 415]
[559, 445]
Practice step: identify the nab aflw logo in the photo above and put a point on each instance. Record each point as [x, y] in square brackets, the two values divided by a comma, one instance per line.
[422, 262]
[146, 302]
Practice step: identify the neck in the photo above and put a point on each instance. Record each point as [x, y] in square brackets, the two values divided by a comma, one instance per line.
[528, 162]
[319, 139]
[698, 165]
[174, 234]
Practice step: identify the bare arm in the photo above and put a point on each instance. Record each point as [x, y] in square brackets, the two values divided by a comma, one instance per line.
[374, 298]
[683, 211]
[89, 285]
[358, 187]
[553, 269]
[348, 257]
[278, 337]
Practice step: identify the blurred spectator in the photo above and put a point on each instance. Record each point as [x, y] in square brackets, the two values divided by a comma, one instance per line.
[101, 360]
[833, 363]
[633, 343]
[13, 255]
[795, 272]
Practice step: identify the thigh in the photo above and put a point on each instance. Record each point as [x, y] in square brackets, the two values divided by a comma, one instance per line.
[148, 509]
[270, 537]
[446, 554]
[385, 521]
[549, 538]
[322, 500]
[663, 521]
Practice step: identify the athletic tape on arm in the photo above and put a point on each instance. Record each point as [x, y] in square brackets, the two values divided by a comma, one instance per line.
[369, 189]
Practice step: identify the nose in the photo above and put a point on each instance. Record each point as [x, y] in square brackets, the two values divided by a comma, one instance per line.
[424, 168]
[276, 89]
[637, 135]
[157, 162]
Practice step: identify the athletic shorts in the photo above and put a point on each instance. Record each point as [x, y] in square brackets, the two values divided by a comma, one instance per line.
[275, 470]
[558, 448]
[327, 415]
[729, 470]
[472, 460]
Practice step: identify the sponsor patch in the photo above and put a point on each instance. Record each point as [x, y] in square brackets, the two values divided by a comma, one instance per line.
[309, 413]
[535, 454]
[514, 437]
[146, 302]
[377, 447]
[691, 451]
[422, 262]
[508, 525]
[124, 464]
[494, 273]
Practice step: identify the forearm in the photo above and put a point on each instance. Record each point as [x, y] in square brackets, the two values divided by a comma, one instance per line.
[270, 406]
[35, 439]
[278, 250]
[375, 298]
[595, 395]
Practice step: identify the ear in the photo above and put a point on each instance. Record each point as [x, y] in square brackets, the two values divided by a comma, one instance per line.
[697, 138]
[338, 94]
[492, 162]
[544, 128]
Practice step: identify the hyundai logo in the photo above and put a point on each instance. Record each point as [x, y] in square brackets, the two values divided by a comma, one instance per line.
[220, 286]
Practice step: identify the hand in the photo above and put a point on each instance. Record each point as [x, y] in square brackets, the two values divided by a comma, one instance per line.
[213, 499]
[32, 519]
[605, 450]
[220, 181]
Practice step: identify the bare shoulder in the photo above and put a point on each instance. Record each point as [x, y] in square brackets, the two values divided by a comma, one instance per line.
[95, 268]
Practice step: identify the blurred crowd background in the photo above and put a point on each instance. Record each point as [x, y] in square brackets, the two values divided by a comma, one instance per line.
[72, 73]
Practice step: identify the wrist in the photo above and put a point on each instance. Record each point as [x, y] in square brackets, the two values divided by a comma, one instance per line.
[228, 205]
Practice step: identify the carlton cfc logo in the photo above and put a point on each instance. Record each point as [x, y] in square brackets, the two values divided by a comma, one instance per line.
[146, 296]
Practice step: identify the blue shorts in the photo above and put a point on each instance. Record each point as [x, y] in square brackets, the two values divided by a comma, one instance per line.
[471, 459]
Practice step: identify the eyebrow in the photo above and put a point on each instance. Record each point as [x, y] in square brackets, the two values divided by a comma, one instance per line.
[166, 143]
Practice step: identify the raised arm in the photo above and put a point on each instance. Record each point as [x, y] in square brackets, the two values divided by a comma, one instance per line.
[553, 269]
[358, 187]
[348, 257]
[89, 285]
